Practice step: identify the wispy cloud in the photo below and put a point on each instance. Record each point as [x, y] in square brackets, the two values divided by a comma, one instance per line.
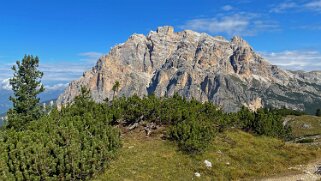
[298, 6]
[64, 71]
[295, 60]
[56, 86]
[315, 27]
[314, 5]
[60, 72]
[227, 8]
[90, 56]
[283, 7]
[245, 24]
[5, 84]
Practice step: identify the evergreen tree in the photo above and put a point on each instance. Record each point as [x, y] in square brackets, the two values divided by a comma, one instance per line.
[83, 101]
[318, 113]
[115, 88]
[26, 85]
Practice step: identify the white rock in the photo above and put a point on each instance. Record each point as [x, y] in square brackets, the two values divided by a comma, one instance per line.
[208, 164]
[197, 174]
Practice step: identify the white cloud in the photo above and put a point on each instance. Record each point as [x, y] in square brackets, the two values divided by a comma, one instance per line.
[295, 60]
[90, 56]
[5, 84]
[283, 7]
[314, 5]
[56, 86]
[314, 27]
[227, 8]
[245, 24]
[59, 71]
[307, 5]
[64, 71]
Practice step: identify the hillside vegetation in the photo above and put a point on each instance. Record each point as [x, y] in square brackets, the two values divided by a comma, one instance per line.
[305, 125]
[81, 141]
[72, 144]
[234, 155]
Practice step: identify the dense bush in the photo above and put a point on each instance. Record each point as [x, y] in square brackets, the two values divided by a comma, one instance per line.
[263, 122]
[192, 136]
[192, 123]
[189, 118]
[69, 145]
[165, 111]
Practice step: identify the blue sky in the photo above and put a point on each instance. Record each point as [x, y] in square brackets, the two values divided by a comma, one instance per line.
[69, 36]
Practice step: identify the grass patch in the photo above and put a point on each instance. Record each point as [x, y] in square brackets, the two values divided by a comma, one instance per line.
[305, 125]
[233, 154]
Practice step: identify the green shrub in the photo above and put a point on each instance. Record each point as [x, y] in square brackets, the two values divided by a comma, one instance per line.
[193, 136]
[263, 122]
[318, 112]
[72, 144]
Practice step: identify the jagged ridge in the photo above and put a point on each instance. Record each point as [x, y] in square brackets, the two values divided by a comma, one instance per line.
[227, 73]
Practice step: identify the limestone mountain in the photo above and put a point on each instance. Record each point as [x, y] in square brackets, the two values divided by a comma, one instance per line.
[226, 73]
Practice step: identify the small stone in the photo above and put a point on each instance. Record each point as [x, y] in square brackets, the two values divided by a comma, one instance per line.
[208, 164]
[130, 147]
[306, 172]
[228, 163]
[306, 126]
[197, 174]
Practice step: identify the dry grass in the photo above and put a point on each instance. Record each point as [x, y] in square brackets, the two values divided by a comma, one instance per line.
[297, 125]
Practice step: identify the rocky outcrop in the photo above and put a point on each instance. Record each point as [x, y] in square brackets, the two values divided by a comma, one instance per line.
[254, 105]
[227, 73]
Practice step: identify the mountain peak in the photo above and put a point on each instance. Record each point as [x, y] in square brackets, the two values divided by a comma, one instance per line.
[239, 41]
[207, 68]
[165, 30]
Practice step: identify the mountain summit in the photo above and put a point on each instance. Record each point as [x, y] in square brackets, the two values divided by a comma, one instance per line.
[207, 68]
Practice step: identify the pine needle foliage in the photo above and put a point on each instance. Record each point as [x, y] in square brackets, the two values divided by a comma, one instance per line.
[26, 86]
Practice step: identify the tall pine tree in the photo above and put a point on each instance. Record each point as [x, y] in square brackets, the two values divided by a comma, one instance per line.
[26, 86]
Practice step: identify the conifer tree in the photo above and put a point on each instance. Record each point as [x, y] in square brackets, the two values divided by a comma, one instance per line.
[318, 113]
[115, 88]
[26, 86]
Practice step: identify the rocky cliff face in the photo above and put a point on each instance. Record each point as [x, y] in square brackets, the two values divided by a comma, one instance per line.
[227, 73]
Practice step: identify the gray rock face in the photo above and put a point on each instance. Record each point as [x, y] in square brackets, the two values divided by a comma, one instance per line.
[226, 73]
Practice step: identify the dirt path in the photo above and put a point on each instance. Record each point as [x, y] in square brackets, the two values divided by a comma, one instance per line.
[304, 173]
